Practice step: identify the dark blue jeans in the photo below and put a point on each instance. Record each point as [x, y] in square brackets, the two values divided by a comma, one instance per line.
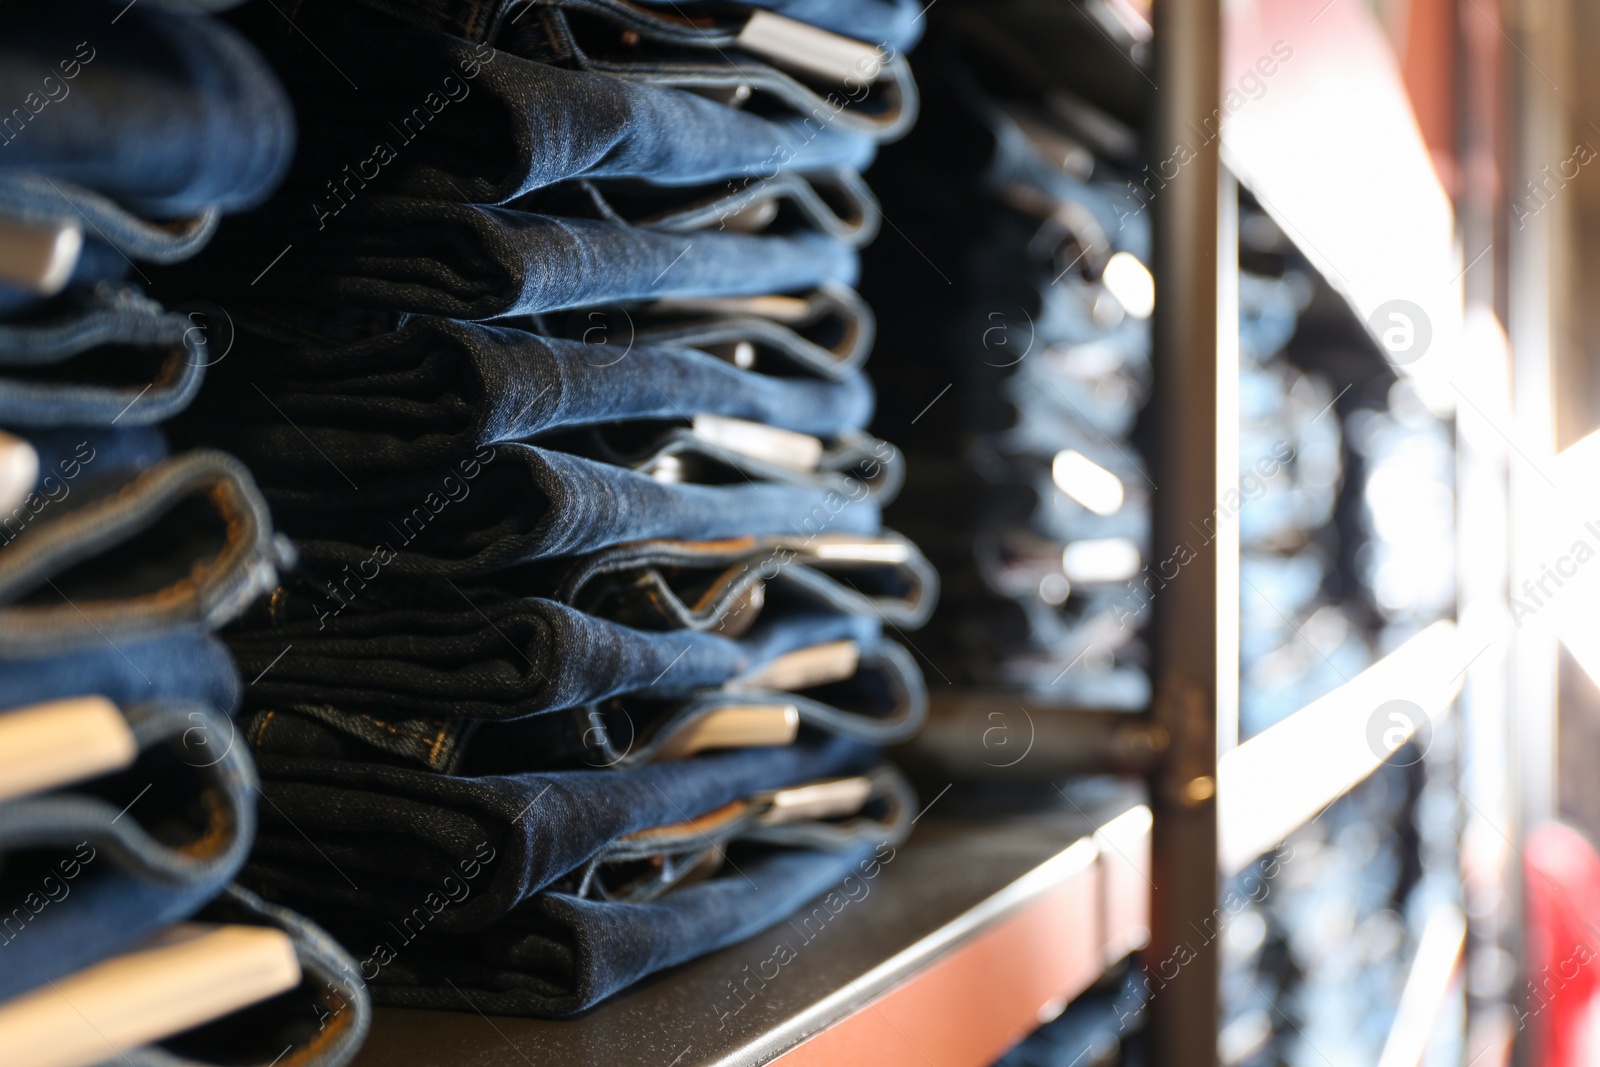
[321, 1023]
[448, 664]
[182, 666]
[436, 116]
[469, 262]
[711, 585]
[560, 953]
[381, 837]
[613, 703]
[170, 115]
[93, 868]
[71, 366]
[437, 389]
[514, 502]
[895, 23]
[186, 544]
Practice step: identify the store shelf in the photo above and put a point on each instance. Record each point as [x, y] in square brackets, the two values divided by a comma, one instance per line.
[996, 735]
[1283, 777]
[975, 930]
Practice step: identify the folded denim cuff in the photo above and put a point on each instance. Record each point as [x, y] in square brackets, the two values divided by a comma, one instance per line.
[531, 503]
[546, 124]
[183, 667]
[203, 740]
[436, 389]
[204, 594]
[122, 317]
[38, 198]
[560, 954]
[396, 831]
[885, 814]
[172, 115]
[897, 23]
[901, 586]
[331, 993]
[843, 319]
[850, 213]
[891, 115]
[469, 262]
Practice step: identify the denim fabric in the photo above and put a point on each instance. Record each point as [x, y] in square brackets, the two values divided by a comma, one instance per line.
[629, 43]
[420, 725]
[111, 232]
[83, 459]
[505, 125]
[836, 203]
[331, 995]
[559, 953]
[895, 23]
[701, 584]
[502, 660]
[668, 854]
[1092, 1030]
[515, 502]
[180, 842]
[831, 337]
[437, 389]
[396, 833]
[851, 461]
[172, 116]
[187, 543]
[183, 666]
[885, 702]
[73, 367]
[469, 262]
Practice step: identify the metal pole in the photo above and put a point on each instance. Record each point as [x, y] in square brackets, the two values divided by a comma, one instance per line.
[1195, 624]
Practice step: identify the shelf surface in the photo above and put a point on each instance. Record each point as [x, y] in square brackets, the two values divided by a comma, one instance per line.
[978, 927]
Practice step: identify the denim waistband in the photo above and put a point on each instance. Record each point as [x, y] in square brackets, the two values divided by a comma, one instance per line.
[38, 198]
[544, 124]
[177, 115]
[183, 666]
[395, 831]
[331, 994]
[470, 262]
[437, 389]
[188, 593]
[529, 503]
[106, 316]
[883, 576]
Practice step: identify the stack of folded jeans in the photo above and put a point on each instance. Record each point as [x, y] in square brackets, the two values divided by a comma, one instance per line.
[126, 803]
[1297, 639]
[1029, 491]
[548, 360]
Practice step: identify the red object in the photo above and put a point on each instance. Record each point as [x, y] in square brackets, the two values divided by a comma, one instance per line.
[1563, 943]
